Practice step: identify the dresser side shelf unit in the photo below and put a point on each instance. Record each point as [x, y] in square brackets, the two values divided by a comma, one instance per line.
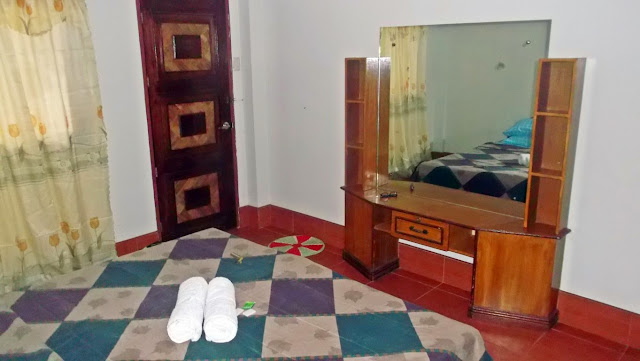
[555, 129]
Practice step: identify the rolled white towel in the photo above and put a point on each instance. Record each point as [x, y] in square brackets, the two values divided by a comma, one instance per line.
[186, 318]
[220, 319]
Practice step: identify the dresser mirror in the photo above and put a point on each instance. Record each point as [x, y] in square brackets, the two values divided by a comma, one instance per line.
[460, 105]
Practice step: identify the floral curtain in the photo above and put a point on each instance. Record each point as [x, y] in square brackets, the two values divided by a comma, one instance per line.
[408, 135]
[55, 214]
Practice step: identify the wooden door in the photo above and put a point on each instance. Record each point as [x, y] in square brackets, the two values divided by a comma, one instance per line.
[186, 60]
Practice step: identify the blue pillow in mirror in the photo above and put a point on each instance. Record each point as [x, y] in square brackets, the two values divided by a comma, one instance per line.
[523, 141]
[521, 128]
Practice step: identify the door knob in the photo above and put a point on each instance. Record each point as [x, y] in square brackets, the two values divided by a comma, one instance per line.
[225, 126]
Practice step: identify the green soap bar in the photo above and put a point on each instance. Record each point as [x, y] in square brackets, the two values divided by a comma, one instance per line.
[248, 305]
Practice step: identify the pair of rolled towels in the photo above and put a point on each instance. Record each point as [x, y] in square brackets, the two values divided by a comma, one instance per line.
[214, 304]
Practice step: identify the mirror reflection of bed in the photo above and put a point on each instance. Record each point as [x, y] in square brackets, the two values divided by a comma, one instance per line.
[461, 104]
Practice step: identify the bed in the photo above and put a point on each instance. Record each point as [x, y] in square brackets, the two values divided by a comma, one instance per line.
[119, 310]
[492, 169]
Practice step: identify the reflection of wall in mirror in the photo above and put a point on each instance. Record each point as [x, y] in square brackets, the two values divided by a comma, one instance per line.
[480, 80]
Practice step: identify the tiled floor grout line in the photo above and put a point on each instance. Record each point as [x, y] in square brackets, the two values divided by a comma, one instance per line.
[591, 342]
[588, 341]
[624, 352]
[275, 230]
[426, 293]
[422, 283]
[451, 293]
[438, 286]
[536, 341]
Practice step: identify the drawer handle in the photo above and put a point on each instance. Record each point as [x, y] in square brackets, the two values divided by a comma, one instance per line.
[423, 231]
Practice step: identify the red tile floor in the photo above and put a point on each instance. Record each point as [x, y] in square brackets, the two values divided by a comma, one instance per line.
[504, 341]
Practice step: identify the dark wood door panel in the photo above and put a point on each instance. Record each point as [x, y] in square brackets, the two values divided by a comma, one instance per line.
[180, 64]
[176, 149]
[196, 199]
[178, 58]
[188, 82]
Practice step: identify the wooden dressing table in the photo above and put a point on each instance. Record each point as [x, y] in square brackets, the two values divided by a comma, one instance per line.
[517, 269]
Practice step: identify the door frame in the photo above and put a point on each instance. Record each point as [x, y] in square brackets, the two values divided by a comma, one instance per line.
[145, 78]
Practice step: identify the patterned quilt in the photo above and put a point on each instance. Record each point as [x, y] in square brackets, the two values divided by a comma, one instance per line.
[492, 170]
[119, 311]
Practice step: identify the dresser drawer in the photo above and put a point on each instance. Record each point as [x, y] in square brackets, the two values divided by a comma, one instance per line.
[420, 230]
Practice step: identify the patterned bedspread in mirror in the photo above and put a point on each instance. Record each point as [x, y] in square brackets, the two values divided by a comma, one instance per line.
[493, 169]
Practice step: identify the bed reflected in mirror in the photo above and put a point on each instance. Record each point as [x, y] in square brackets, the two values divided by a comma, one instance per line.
[461, 103]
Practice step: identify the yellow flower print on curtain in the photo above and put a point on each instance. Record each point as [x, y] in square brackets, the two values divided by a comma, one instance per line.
[94, 223]
[408, 134]
[54, 198]
[54, 240]
[22, 247]
[64, 227]
[36, 17]
[14, 131]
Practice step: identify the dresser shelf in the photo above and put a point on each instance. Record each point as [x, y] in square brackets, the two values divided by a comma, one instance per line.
[555, 130]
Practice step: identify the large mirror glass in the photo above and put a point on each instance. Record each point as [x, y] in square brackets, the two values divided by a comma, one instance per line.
[460, 104]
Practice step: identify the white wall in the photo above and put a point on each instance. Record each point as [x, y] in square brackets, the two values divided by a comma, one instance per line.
[243, 103]
[262, 95]
[298, 49]
[250, 78]
[115, 38]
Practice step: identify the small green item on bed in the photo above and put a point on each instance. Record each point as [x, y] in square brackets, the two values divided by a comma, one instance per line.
[248, 305]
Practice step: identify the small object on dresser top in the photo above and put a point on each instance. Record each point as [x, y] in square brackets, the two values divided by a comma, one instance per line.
[412, 188]
[389, 195]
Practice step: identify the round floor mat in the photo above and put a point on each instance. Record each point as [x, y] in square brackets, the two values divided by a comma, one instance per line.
[304, 246]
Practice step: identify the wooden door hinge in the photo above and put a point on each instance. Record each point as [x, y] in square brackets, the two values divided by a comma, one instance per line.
[155, 172]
